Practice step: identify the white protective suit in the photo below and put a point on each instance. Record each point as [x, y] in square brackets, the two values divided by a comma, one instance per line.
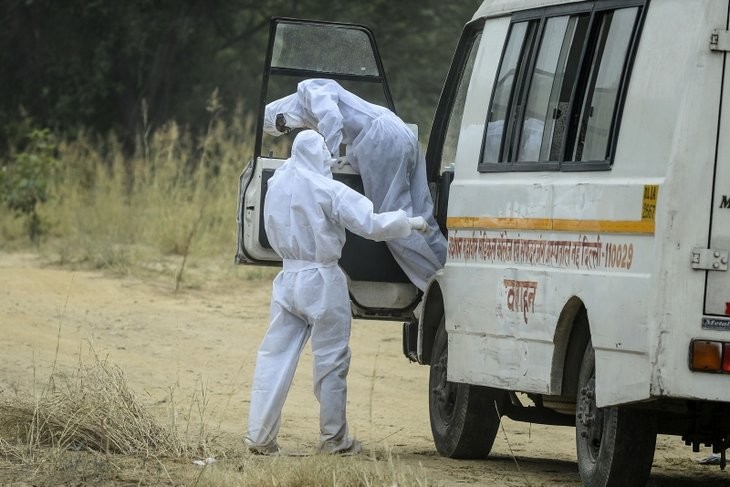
[305, 215]
[386, 154]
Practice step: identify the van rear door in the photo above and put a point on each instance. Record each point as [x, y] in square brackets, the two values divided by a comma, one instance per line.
[300, 49]
[717, 293]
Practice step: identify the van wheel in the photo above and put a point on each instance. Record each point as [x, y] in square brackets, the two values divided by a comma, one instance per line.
[464, 418]
[615, 445]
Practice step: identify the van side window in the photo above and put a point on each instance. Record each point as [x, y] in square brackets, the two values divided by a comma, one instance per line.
[552, 82]
[503, 91]
[559, 88]
[597, 112]
[448, 154]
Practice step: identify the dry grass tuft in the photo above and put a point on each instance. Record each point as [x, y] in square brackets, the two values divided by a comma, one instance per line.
[88, 428]
[364, 470]
[90, 409]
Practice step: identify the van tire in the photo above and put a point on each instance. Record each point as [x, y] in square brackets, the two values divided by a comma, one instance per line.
[614, 445]
[464, 418]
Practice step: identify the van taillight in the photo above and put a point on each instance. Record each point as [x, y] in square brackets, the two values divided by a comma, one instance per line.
[707, 356]
[726, 358]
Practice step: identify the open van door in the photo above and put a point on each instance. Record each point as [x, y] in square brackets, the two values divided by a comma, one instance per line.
[347, 53]
[715, 258]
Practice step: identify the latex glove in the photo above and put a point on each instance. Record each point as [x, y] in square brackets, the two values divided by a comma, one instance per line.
[338, 162]
[418, 223]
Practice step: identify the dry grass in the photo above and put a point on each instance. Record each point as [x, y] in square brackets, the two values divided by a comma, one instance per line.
[316, 470]
[168, 212]
[88, 428]
[160, 211]
[85, 427]
[91, 409]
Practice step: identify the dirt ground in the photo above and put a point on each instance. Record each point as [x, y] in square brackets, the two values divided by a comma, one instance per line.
[202, 343]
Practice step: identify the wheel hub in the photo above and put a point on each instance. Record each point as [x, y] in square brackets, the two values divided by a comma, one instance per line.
[444, 391]
[590, 418]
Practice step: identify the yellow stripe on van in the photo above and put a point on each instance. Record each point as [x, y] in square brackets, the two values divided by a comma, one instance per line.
[553, 224]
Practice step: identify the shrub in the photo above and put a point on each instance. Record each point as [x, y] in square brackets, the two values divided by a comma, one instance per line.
[26, 177]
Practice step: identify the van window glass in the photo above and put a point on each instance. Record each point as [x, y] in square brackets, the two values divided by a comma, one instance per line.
[349, 49]
[503, 91]
[448, 155]
[541, 87]
[607, 67]
[555, 102]
[515, 113]
[565, 77]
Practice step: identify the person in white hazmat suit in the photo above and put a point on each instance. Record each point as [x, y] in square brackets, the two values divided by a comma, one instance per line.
[305, 215]
[382, 149]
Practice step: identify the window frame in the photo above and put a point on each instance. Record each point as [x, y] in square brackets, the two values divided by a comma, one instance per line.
[272, 72]
[594, 9]
[444, 109]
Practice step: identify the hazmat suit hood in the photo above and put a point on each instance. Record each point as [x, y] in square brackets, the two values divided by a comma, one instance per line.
[309, 152]
[291, 109]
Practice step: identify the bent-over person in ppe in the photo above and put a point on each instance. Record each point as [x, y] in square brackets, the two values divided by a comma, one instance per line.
[383, 150]
[305, 215]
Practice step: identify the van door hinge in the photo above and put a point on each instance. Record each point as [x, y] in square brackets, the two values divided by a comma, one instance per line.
[720, 40]
[709, 259]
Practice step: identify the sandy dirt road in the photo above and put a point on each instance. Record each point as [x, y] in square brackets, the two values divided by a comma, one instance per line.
[174, 347]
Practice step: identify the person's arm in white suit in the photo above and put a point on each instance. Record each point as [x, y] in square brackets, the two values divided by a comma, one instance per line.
[321, 100]
[355, 212]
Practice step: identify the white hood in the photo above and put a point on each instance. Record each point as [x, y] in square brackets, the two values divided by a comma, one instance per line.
[309, 152]
[290, 107]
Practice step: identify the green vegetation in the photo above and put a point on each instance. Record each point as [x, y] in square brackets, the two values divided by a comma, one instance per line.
[128, 67]
[25, 179]
[170, 205]
[113, 152]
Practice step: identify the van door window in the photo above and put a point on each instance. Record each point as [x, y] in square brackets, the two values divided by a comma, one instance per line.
[607, 66]
[503, 90]
[448, 155]
[560, 81]
[565, 78]
[543, 85]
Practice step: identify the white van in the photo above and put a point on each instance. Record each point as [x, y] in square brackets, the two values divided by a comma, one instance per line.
[580, 161]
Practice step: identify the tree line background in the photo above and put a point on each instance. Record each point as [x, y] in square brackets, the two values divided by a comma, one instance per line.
[128, 67]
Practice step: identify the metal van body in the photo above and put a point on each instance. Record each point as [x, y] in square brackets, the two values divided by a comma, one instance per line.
[525, 245]
[584, 154]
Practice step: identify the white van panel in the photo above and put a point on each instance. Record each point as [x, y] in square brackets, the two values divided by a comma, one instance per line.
[667, 137]
[527, 300]
[686, 103]
[251, 211]
[718, 283]
[674, 68]
[492, 8]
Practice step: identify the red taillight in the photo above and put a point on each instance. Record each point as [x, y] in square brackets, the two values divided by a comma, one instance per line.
[726, 358]
[706, 356]
[727, 309]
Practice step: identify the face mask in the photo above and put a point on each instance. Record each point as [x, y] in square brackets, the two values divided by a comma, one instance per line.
[293, 121]
[283, 114]
[281, 125]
